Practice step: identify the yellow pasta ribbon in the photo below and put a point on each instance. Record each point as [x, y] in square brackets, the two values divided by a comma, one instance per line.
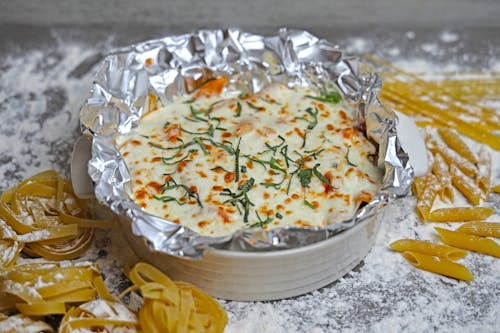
[432, 249]
[438, 265]
[485, 229]
[469, 242]
[460, 214]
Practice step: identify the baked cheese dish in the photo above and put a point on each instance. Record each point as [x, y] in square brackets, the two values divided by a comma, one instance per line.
[217, 162]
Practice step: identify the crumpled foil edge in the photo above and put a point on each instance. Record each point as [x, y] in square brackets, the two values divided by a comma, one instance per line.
[124, 80]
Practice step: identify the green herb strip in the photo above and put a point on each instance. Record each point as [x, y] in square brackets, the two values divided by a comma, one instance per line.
[261, 222]
[347, 158]
[173, 185]
[240, 198]
[328, 97]
[308, 204]
[313, 113]
[322, 178]
[238, 106]
[255, 107]
[165, 160]
[166, 198]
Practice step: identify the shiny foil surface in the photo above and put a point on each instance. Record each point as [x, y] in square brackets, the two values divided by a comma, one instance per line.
[252, 62]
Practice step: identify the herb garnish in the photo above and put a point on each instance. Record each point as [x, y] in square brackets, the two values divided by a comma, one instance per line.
[261, 222]
[165, 160]
[166, 198]
[308, 204]
[329, 97]
[347, 158]
[173, 185]
[255, 107]
[240, 198]
[313, 114]
[322, 178]
[238, 105]
[201, 85]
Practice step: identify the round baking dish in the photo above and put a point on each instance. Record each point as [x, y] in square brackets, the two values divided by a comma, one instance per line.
[264, 276]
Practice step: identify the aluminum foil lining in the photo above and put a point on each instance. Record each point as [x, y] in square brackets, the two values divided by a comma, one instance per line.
[252, 62]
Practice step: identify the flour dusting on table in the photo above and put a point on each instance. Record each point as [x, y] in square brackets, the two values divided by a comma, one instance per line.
[40, 101]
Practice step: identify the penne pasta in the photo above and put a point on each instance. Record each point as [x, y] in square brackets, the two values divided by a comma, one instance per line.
[465, 185]
[460, 214]
[453, 140]
[451, 157]
[425, 247]
[425, 201]
[496, 188]
[469, 242]
[438, 265]
[484, 170]
[485, 229]
[440, 169]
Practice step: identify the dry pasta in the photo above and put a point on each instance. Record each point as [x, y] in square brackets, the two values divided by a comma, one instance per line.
[432, 101]
[460, 214]
[45, 219]
[453, 140]
[21, 323]
[432, 249]
[427, 196]
[451, 157]
[496, 188]
[485, 229]
[469, 242]
[98, 316]
[46, 288]
[440, 169]
[484, 170]
[438, 265]
[174, 306]
[465, 185]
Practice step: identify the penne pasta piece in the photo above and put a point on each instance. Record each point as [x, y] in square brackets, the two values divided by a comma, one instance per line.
[484, 170]
[438, 265]
[425, 201]
[429, 248]
[455, 142]
[469, 242]
[440, 169]
[485, 229]
[421, 183]
[465, 185]
[460, 214]
[496, 188]
[451, 157]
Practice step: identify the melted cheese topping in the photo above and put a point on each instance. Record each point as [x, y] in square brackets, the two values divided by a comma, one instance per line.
[221, 163]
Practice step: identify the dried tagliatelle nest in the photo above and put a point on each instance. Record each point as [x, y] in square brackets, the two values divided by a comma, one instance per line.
[43, 217]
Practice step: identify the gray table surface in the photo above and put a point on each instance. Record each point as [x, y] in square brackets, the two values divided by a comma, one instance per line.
[45, 73]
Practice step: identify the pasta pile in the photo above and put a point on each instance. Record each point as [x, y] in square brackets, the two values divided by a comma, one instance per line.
[49, 288]
[174, 306]
[454, 102]
[43, 217]
[54, 288]
[455, 168]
